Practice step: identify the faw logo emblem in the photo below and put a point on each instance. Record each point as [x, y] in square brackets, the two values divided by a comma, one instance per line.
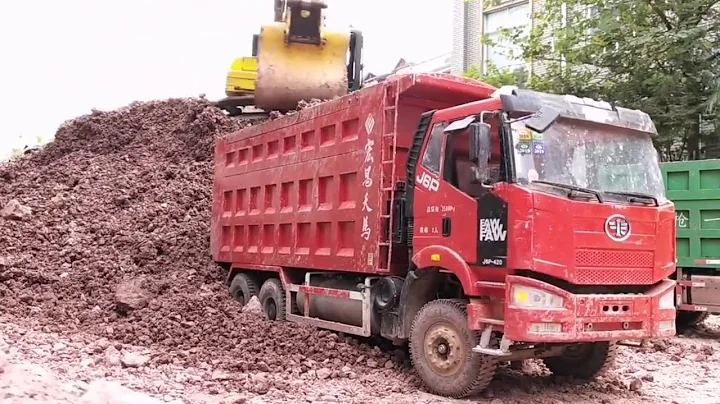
[617, 228]
[492, 230]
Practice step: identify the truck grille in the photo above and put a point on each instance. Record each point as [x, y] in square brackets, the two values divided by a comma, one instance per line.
[603, 267]
[614, 259]
[630, 276]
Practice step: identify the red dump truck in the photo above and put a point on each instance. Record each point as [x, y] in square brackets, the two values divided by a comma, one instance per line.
[477, 225]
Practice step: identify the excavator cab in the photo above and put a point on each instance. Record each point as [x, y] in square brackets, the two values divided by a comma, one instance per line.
[294, 58]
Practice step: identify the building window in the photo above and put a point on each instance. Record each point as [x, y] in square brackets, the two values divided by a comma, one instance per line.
[502, 53]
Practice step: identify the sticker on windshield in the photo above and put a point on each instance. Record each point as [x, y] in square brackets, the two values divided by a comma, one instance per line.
[524, 148]
[538, 148]
[537, 136]
[525, 135]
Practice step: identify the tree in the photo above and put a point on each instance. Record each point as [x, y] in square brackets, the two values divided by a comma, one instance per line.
[660, 56]
[497, 77]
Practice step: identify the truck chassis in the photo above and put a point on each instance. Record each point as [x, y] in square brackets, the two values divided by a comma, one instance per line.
[278, 297]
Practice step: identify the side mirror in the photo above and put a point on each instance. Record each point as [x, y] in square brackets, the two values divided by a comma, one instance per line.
[542, 120]
[480, 142]
[480, 149]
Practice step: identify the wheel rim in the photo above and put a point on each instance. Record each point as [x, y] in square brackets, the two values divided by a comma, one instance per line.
[240, 297]
[444, 352]
[271, 309]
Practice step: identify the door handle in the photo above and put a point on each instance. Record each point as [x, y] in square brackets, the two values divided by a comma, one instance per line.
[446, 227]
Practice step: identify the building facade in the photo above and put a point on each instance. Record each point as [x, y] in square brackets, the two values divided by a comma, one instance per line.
[472, 21]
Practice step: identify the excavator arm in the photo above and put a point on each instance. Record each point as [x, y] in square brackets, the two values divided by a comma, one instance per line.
[294, 58]
[280, 8]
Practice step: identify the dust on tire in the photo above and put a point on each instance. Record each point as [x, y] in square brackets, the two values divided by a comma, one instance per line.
[272, 299]
[242, 288]
[475, 371]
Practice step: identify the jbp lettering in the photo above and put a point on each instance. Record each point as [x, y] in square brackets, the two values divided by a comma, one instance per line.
[428, 182]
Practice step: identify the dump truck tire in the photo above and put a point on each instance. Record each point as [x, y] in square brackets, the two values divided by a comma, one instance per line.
[441, 346]
[242, 288]
[583, 361]
[272, 299]
[685, 320]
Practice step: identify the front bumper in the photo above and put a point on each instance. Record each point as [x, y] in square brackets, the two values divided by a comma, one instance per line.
[589, 318]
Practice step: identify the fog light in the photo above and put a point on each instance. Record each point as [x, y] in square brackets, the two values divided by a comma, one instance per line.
[666, 325]
[546, 327]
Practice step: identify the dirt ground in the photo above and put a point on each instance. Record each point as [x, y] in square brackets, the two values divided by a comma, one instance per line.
[108, 293]
[42, 367]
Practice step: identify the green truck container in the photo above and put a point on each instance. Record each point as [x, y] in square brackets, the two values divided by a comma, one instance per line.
[694, 187]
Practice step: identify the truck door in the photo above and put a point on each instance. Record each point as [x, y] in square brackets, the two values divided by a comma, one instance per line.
[462, 172]
[444, 215]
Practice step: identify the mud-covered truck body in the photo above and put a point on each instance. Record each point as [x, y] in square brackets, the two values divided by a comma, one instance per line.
[478, 225]
[694, 188]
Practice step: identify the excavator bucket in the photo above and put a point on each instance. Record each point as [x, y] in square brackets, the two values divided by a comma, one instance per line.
[291, 72]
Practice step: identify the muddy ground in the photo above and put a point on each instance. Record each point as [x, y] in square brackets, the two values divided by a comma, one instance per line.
[106, 284]
[83, 368]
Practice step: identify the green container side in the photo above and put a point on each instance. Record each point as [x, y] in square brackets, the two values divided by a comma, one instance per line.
[694, 188]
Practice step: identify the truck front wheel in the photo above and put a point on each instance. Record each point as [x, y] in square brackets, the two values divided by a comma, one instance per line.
[583, 361]
[272, 299]
[242, 288]
[441, 346]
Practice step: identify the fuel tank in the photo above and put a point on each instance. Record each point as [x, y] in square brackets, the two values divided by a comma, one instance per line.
[338, 310]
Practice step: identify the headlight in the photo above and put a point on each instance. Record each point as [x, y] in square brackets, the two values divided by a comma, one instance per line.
[531, 298]
[667, 301]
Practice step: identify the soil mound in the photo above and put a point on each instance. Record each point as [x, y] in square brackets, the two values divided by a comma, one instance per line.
[114, 237]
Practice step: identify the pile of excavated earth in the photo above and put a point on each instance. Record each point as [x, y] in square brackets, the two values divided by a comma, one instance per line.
[106, 231]
[106, 273]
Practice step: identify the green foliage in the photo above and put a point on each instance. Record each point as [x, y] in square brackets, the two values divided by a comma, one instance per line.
[500, 77]
[662, 57]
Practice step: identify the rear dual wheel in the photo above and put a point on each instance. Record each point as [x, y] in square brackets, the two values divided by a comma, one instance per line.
[242, 288]
[441, 346]
[272, 299]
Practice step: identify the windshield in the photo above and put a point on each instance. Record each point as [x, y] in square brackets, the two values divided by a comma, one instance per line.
[588, 155]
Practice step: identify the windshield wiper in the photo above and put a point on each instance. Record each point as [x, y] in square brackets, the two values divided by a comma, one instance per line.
[634, 197]
[572, 188]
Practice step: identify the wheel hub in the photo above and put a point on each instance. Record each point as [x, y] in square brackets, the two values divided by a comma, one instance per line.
[271, 309]
[240, 297]
[444, 349]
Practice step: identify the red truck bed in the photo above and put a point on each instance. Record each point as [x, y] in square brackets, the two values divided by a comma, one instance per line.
[312, 190]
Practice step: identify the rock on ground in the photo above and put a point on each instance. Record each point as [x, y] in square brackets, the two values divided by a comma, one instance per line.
[131, 295]
[14, 210]
[104, 392]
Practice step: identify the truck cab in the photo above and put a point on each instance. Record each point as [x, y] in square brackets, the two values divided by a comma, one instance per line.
[550, 210]
[476, 225]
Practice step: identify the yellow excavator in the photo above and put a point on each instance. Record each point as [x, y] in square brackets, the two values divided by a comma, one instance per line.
[293, 59]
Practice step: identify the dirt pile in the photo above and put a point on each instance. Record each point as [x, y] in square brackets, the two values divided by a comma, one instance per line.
[124, 197]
